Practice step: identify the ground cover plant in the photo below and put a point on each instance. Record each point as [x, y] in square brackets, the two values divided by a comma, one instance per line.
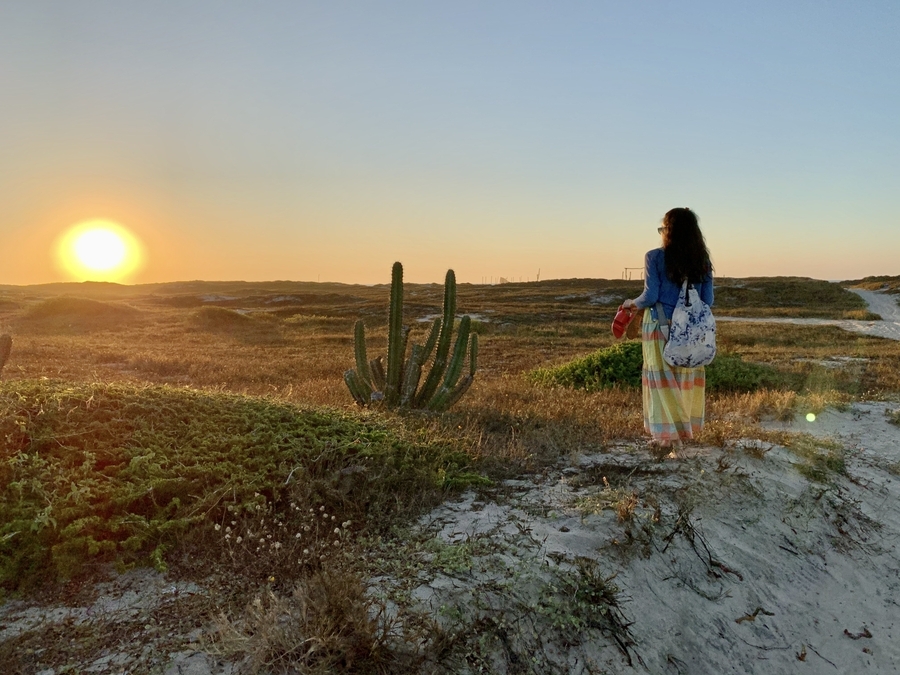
[116, 472]
[232, 395]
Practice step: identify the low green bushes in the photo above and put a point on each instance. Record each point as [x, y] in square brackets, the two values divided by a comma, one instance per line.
[105, 472]
[620, 365]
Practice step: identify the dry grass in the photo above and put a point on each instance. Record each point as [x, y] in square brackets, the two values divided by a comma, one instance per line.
[293, 342]
[327, 624]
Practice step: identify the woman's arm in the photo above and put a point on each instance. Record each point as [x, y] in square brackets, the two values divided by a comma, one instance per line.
[706, 290]
[651, 285]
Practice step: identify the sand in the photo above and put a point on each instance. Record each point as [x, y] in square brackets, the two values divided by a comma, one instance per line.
[751, 568]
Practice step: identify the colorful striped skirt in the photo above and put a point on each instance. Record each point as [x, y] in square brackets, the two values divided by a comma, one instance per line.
[674, 398]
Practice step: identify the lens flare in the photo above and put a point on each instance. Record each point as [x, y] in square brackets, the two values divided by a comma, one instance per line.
[99, 250]
[810, 417]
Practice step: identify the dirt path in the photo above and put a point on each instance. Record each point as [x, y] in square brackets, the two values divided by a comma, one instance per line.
[884, 305]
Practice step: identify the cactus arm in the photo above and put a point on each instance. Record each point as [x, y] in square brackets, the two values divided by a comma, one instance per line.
[432, 339]
[454, 370]
[453, 396]
[356, 387]
[395, 337]
[450, 392]
[412, 375]
[443, 344]
[377, 368]
[5, 349]
[362, 360]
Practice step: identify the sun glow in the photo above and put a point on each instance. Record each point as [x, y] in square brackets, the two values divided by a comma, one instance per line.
[99, 250]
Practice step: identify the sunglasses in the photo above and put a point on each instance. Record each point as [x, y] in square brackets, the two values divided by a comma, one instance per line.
[661, 229]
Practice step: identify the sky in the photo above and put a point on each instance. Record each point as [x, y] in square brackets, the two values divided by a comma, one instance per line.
[322, 141]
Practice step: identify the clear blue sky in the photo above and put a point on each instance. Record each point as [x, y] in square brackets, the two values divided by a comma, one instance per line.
[324, 140]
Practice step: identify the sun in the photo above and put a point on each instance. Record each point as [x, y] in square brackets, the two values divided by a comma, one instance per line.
[99, 250]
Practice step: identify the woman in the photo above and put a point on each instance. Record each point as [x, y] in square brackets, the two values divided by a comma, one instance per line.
[674, 398]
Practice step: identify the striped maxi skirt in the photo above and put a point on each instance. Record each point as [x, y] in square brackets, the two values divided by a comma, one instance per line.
[674, 398]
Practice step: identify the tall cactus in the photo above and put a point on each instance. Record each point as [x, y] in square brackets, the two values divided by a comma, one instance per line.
[399, 386]
[5, 349]
[443, 345]
[396, 342]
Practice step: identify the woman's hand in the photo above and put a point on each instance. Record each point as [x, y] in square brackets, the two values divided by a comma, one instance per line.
[628, 303]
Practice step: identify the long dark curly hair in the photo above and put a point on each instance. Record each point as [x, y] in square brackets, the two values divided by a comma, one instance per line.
[685, 248]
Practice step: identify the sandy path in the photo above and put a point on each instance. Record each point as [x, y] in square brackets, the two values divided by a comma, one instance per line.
[884, 305]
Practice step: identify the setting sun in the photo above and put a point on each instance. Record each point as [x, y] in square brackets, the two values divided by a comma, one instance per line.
[99, 250]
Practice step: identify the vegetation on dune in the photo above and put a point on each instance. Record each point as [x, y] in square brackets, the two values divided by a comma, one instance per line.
[788, 296]
[99, 472]
[887, 284]
[220, 318]
[80, 314]
[620, 365]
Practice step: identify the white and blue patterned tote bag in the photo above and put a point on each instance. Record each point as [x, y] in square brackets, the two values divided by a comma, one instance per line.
[692, 333]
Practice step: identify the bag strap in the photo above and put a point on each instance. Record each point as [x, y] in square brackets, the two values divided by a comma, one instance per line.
[687, 296]
[663, 322]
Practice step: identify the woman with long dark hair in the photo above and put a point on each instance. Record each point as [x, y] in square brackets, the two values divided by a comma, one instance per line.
[674, 398]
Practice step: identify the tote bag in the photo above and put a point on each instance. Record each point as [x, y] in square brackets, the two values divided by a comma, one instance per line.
[692, 332]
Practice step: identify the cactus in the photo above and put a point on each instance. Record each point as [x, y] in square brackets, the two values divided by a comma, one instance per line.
[5, 348]
[443, 344]
[399, 386]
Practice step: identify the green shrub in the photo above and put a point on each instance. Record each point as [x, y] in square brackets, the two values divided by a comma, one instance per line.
[730, 373]
[122, 473]
[620, 365]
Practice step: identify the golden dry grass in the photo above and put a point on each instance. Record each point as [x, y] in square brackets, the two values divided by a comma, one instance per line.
[293, 341]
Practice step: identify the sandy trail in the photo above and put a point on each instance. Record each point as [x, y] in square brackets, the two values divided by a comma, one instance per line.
[882, 304]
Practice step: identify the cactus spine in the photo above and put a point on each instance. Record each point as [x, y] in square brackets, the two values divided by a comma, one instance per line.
[399, 386]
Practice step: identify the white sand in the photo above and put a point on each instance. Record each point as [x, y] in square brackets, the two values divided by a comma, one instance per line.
[880, 303]
[819, 559]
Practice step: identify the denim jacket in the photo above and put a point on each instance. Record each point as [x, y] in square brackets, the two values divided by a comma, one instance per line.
[658, 287]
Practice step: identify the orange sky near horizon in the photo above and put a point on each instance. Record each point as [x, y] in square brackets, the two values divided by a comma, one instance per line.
[309, 143]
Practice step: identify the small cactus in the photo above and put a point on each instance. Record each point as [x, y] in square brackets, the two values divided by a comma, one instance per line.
[399, 386]
[5, 348]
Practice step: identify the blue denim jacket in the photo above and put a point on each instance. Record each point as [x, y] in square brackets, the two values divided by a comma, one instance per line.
[658, 287]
